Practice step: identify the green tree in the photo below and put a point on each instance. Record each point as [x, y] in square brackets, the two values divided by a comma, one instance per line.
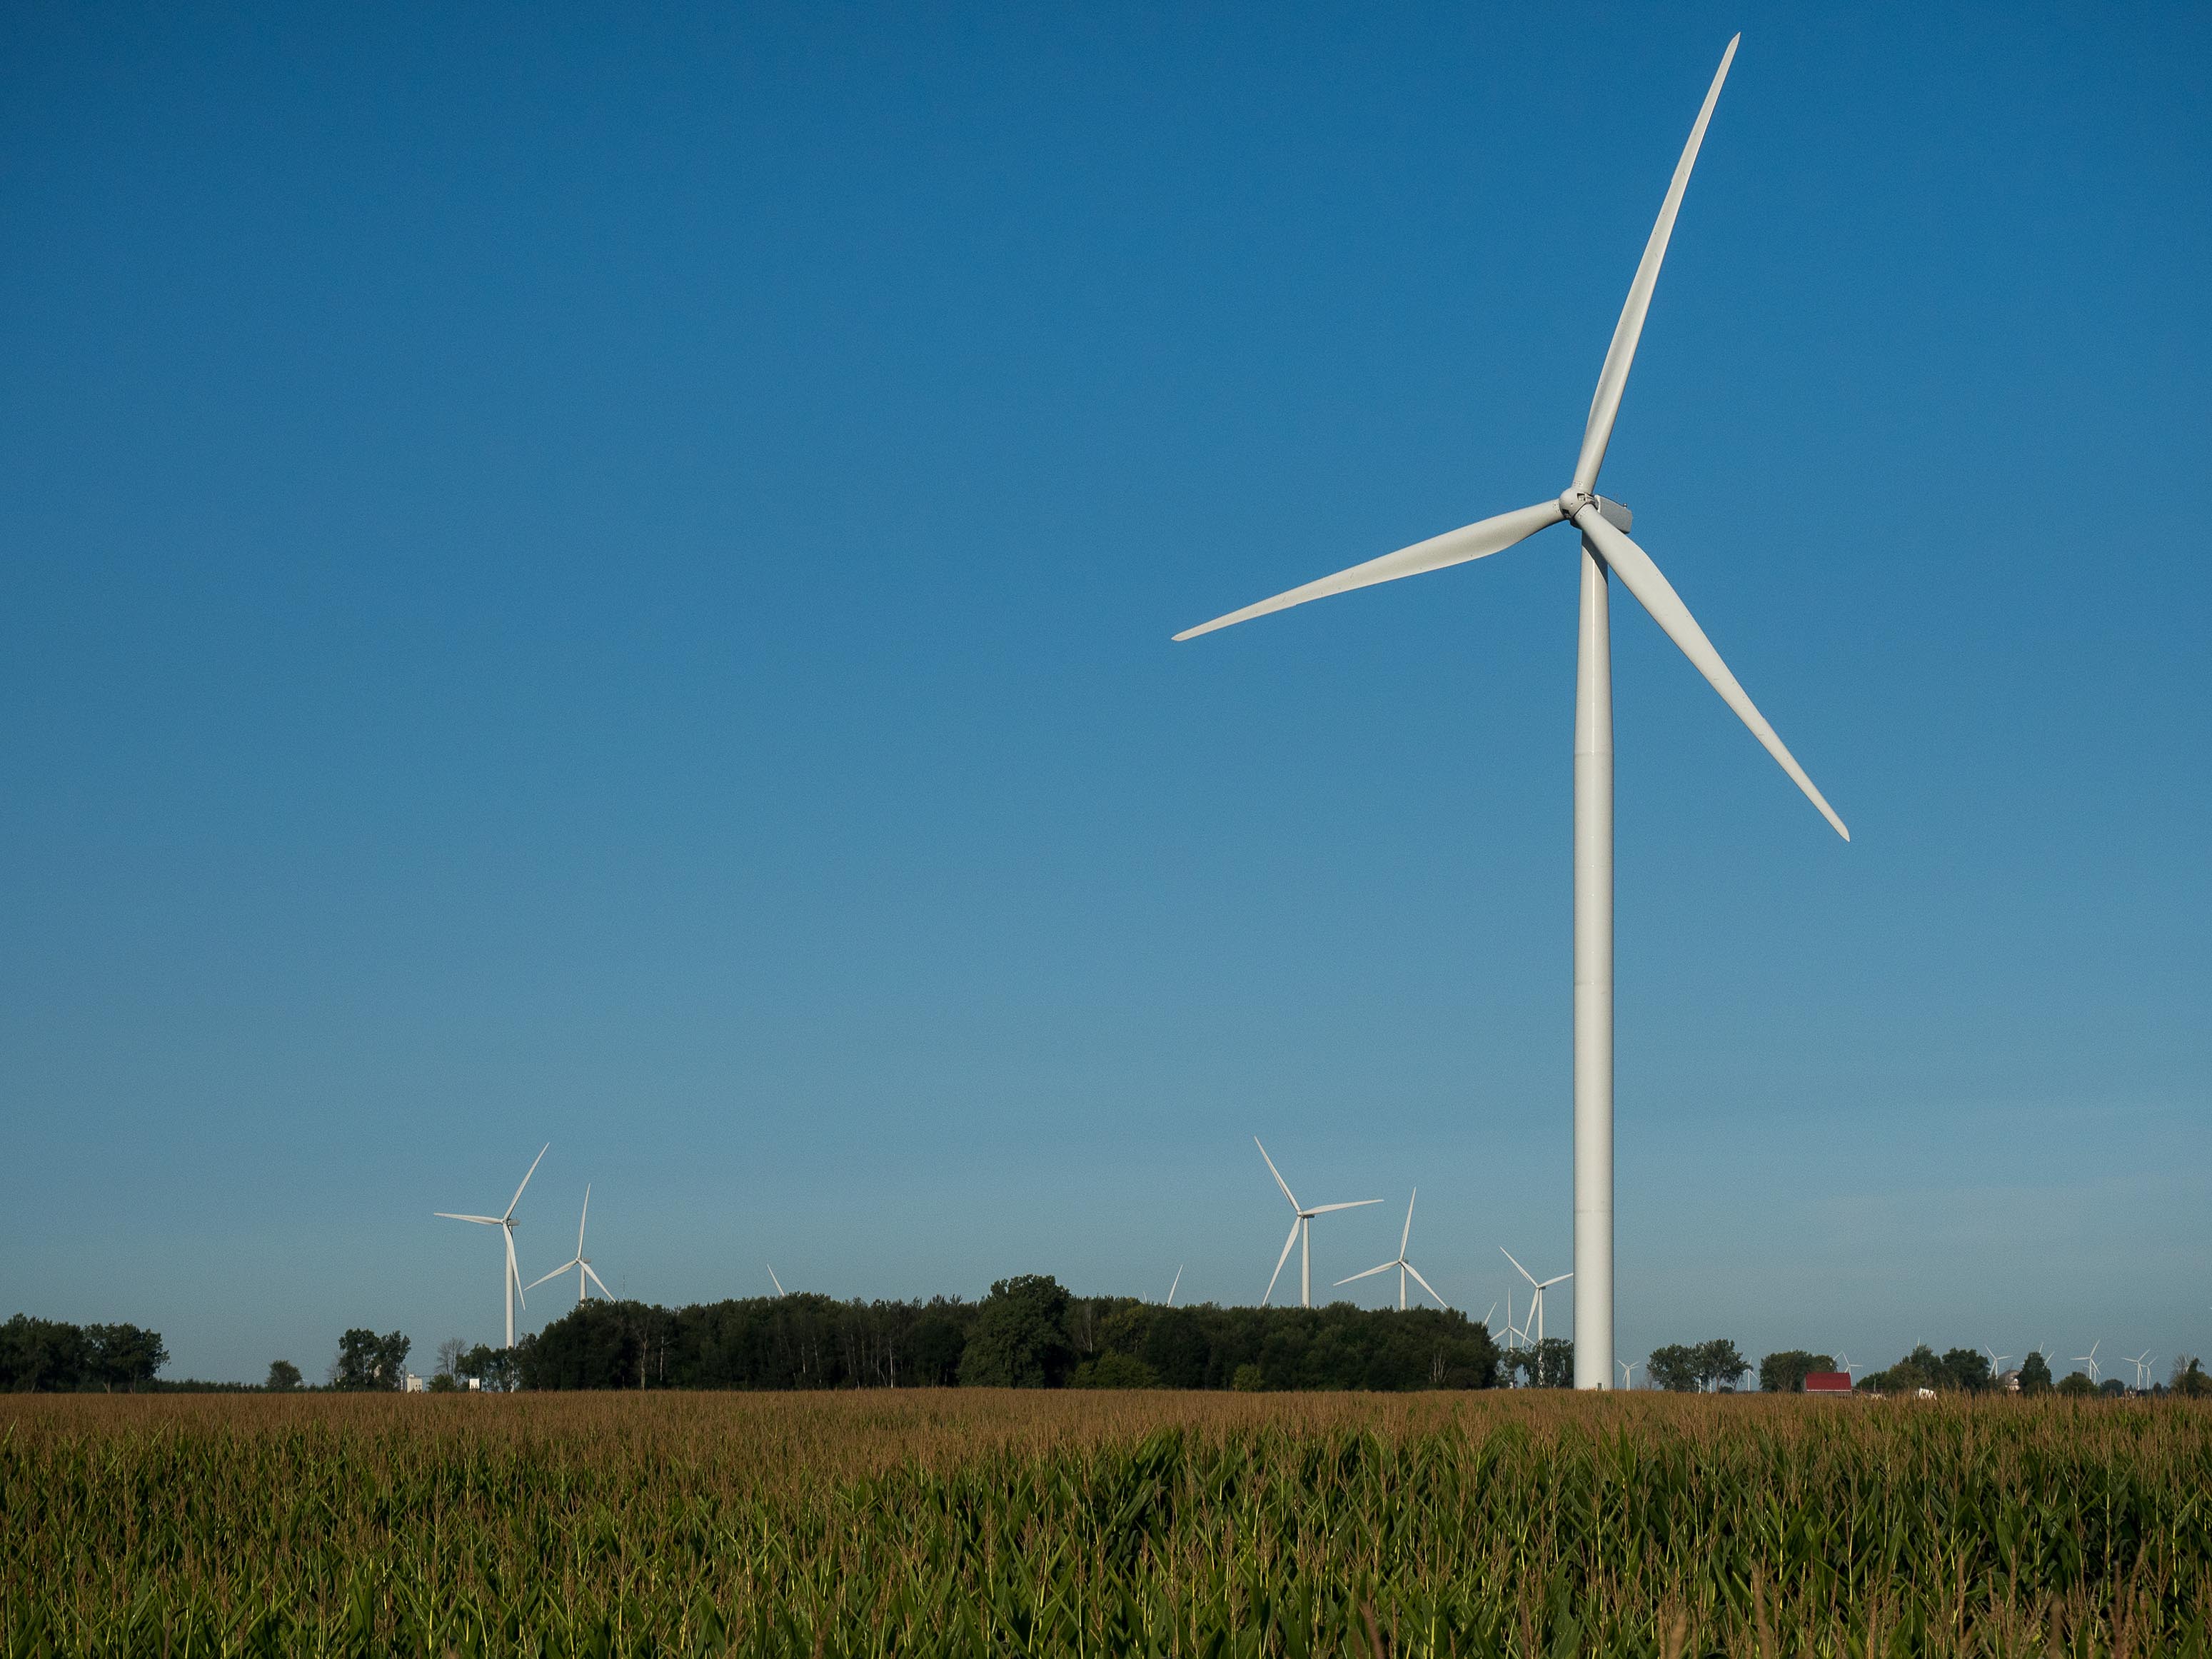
[283, 1378]
[2035, 1375]
[1718, 1362]
[123, 1356]
[1248, 1379]
[2077, 1384]
[367, 1361]
[1115, 1370]
[2189, 1380]
[1964, 1369]
[1549, 1364]
[1020, 1336]
[44, 1355]
[1785, 1372]
[1673, 1368]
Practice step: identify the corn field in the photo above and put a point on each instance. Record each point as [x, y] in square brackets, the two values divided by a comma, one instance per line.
[971, 1522]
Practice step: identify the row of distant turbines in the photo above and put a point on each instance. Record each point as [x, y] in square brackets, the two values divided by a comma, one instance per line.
[1301, 1239]
[1529, 1330]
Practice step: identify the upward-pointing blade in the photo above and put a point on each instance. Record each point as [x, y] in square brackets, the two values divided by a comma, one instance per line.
[1641, 577]
[1407, 1236]
[1613, 379]
[1474, 541]
[1278, 1174]
[532, 1171]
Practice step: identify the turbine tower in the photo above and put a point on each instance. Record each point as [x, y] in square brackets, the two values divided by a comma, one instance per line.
[1607, 552]
[1403, 1265]
[512, 1275]
[578, 1260]
[1536, 1308]
[1301, 1230]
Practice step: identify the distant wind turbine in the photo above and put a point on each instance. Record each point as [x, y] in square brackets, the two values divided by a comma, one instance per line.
[1606, 553]
[1301, 1230]
[512, 1279]
[1536, 1308]
[2090, 1359]
[1403, 1265]
[1997, 1359]
[2141, 1363]
[578, 1262]
[1627, 1372]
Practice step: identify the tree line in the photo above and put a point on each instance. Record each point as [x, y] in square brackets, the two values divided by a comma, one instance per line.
[1029, 1331]
[51, 1356]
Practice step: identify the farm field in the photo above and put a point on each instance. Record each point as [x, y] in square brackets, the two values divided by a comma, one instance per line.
[968, 1520]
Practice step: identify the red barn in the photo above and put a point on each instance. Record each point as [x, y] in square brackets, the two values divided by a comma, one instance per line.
[1827, 1383]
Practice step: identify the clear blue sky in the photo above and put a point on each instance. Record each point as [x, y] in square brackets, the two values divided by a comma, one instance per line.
[607, 579]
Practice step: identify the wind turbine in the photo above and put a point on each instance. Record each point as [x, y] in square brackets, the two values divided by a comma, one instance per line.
[1403, 1265]
[1606, 551]
[1627, 1371]
[1302, 1228]
[2090, 1359]
[1996, 1361]
[578, 1262]
[512, 1279]
[2141, 1363]
[1536, 1306]
[1171, 1288]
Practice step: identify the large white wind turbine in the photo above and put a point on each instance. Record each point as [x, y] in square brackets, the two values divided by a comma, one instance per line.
[1535, 1314]
[578, 1262]
[1606, 551]
[2090, 1358]
[1301, 1228]
[1403, 1265]
[512, 1275]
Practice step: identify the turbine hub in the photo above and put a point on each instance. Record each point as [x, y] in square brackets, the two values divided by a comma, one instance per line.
[1572, 501]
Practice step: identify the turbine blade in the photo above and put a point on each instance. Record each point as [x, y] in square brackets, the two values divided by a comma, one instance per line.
[599, 1281]
[1613, 379]
[581, 1219]
[1404, 1237]
[1525, 1274]
[532, 1171]
[1653, 591]
[514, 1272]
[1278, 1174]
[1425, 1286]
[481, 1220]
[556, 1273]
[1288, 1244]
[1474, 541]
[1370, 1273]
[1356, 1204]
